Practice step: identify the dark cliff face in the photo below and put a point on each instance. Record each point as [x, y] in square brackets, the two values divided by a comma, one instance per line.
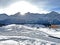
[31, 18]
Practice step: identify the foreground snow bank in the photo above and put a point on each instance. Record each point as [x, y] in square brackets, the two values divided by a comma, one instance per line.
[16, 28]
[9, 42]
[31, 31]
[26, 41]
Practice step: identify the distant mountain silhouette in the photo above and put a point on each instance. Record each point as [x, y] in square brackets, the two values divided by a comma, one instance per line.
[31, 18]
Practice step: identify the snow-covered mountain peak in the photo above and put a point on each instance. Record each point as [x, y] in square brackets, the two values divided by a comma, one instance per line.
[53, 12]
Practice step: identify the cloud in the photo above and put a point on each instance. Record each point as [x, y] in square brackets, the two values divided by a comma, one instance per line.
[45, 3]
[48, 5]
[4, 3]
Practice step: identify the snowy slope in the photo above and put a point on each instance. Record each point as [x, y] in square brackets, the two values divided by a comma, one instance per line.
[25, 41]
[27, 34]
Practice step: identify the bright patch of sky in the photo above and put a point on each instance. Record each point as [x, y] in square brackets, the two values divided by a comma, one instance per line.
[33, 6]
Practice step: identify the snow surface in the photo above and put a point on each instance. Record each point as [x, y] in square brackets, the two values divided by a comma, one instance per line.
[28, 34]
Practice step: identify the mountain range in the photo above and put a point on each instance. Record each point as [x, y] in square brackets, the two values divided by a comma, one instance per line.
[31, 18]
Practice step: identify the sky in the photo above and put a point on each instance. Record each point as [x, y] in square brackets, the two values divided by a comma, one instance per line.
[33, 6]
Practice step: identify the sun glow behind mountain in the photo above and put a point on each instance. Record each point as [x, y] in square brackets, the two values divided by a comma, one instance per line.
[23, 7]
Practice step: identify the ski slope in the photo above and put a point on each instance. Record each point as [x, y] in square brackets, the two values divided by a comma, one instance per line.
[28, 34]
